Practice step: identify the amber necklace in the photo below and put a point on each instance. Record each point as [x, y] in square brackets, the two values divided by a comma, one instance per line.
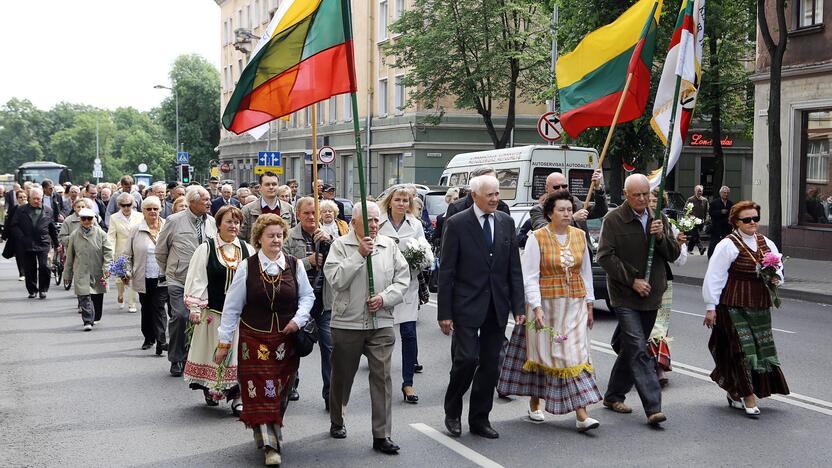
[230, 262]
[271, 280]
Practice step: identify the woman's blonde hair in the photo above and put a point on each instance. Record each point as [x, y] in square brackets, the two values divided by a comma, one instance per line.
[264, 221]
[180, 201]
[328, 205]
[387, 199]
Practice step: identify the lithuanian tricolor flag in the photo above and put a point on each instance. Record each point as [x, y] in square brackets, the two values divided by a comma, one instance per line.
[305, 56]
[591, 78]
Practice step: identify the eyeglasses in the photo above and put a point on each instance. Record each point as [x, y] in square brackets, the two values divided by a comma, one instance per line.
[126, 206]
[558, 187]
[749, 219]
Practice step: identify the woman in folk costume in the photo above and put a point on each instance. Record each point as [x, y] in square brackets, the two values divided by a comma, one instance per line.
[88, 255]
[738, 306]
[210, 273]
[658, 344]
[270, 298]
[549, 357]
[121, 223]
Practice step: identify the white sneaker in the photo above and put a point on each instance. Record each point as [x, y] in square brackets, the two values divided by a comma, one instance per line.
[537, 416]
[120, 305]
[587, 424]
[132, 309]
[96, 322]
[22, 278]
[87, 327]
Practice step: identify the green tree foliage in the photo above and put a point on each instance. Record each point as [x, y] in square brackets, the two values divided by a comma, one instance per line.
[484, 53]
[21, 128]
[197, 85]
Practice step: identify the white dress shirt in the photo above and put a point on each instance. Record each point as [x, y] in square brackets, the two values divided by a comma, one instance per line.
[235, 297]
[480, 213]
[530, 261]
[724, 255]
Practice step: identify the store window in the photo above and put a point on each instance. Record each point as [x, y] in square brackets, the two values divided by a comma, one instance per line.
[816, 163]
[809, 13]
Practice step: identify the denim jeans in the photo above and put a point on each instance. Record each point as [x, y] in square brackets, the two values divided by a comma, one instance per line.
[92, 306]
[410, 352]
[325, 345]
[633, 366]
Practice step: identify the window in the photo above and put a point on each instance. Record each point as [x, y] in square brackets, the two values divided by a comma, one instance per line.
[347, 108]
[539, 176]
[224, 32]
[319, 110]
[231, 30]
[398, 9]
[382, 20]
[392, 168]
[240, 18]
[381, 97]
[809, 13]
[816, 161]
[333, 109]
[508, 183]
[266, 16]
[230, 75]
[239, 67]
[295, 120]
[257, 12]
[248, 17]
[307, 116]
[399, 96]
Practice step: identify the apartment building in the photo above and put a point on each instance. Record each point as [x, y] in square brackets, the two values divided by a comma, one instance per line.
[396, 143]
[806, 129]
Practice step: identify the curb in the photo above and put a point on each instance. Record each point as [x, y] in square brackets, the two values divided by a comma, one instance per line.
[785, 293]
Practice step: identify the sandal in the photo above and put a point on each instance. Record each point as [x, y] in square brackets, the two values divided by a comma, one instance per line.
[236, 406]
[208, 399]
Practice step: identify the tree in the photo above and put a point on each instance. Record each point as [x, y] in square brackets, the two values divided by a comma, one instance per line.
[21, 124]
[75, 146]
[775, 50]
[491, 52]
[197, 85]
[723, 97]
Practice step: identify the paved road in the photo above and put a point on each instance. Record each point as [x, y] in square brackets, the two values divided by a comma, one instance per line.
[95, 399]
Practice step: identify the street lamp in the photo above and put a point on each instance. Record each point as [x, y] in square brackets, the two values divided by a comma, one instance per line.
[176, 101]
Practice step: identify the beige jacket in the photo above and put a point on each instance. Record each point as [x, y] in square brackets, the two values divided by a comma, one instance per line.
[119, 229]
[346, 271]
[252, 211]
[177, 242]
[87, 258]
[135, 252]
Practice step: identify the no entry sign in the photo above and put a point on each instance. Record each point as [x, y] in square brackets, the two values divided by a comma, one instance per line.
[549, 128]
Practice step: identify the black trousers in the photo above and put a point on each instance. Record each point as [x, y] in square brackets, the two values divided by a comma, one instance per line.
[37, 272]
[475, 353]
[154, 321]
[633, 366]
[693, 238]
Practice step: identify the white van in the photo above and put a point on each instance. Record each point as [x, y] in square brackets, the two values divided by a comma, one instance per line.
[522, 171]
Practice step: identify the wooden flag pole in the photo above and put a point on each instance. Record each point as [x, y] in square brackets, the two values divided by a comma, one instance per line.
[315, 193]
[658, 215]
[609, 137]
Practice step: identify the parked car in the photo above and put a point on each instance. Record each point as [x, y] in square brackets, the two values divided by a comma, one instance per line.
[347, 208]
[675, 205]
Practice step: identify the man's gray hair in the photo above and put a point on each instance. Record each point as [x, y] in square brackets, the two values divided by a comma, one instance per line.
[356, 209]
[229, 187]
[159, 186]
[724, 188]
[35, 190]
[301, 202]
[152, 200]
[483, 170]
[194, 193]
[479, 182]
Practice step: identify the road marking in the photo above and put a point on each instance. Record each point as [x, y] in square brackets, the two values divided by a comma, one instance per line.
[702, 315]
[470, 455]
[813, 404]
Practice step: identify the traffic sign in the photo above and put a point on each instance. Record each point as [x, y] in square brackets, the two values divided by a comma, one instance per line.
[225, 167]
[263, 169]
[182, 157]
[326, 155]
[549, 127]
[268, 158]
[98, 173]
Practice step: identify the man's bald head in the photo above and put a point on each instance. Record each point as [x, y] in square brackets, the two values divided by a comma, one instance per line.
[637, 191]
[556, 182]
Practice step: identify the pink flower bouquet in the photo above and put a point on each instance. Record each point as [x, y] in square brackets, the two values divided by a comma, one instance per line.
[767, 270]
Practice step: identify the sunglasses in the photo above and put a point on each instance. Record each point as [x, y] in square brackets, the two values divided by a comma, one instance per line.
[151, 208]
[126, 206]
[749, 219]
[558, 187]
[86, 218]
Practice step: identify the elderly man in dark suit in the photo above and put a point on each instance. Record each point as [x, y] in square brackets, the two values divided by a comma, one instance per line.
[718, 210]
[35, 234]
[466, 202]
[481, 283]
[225, 198]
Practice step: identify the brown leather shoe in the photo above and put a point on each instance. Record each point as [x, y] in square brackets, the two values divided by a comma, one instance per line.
[618, 407]
[656, 418]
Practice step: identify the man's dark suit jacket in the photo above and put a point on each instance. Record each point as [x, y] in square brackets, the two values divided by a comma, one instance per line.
[471, 278]
[719, 222]
[219, 202]
[33, 238]
[464, 203]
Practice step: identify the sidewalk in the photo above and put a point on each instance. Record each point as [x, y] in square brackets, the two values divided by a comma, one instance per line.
[806, 280]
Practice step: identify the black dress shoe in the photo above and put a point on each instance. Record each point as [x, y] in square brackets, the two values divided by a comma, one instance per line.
[412, 398]
[146, 345]
[42, 295]
[32, 295]
[454, 426]
[337, 432]
[326, 405]
[159, 348]
[418, 368]
[176, 369]
[294, 395]
[164, 346]
[485, 430]
[386, 445]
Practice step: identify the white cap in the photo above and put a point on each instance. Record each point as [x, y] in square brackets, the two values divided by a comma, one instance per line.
[86, 213]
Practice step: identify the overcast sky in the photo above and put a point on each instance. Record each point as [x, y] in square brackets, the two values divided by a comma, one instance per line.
[106, 53]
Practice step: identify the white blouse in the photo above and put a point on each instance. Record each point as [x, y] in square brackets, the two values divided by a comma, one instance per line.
[151, 268]
[235, 297]
[530, 261]
[724, 255]
[196, 283]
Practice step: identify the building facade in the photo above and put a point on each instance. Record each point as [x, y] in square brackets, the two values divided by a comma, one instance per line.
[806, 129]
[397, 144]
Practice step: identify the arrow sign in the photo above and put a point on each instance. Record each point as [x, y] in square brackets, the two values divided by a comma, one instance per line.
[549, 128]
[268, 158]
[182, 157]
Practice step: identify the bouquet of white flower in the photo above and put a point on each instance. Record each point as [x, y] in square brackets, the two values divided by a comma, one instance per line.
[686, 222]
[418, 254]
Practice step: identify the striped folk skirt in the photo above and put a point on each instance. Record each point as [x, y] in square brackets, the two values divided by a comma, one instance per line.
[561, 373]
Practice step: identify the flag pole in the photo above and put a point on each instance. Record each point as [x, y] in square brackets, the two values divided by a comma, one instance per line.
[658, 215]
[609, 137]
[315, 193]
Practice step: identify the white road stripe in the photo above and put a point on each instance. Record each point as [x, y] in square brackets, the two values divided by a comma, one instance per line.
[467, 453]
[702, 315]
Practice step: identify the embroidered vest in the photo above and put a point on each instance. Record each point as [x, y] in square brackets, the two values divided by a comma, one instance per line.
[263, 312]
[219, 276]
[744, 287]
[556, 279]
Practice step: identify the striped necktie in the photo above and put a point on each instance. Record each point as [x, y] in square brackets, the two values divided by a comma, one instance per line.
[199, 222]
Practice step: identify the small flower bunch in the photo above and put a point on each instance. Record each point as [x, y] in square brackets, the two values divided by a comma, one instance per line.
[686, 222]
[119, 267]
[418, 253]
[217, 390]
[557, 337]
[767, 270]
[189, 329]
